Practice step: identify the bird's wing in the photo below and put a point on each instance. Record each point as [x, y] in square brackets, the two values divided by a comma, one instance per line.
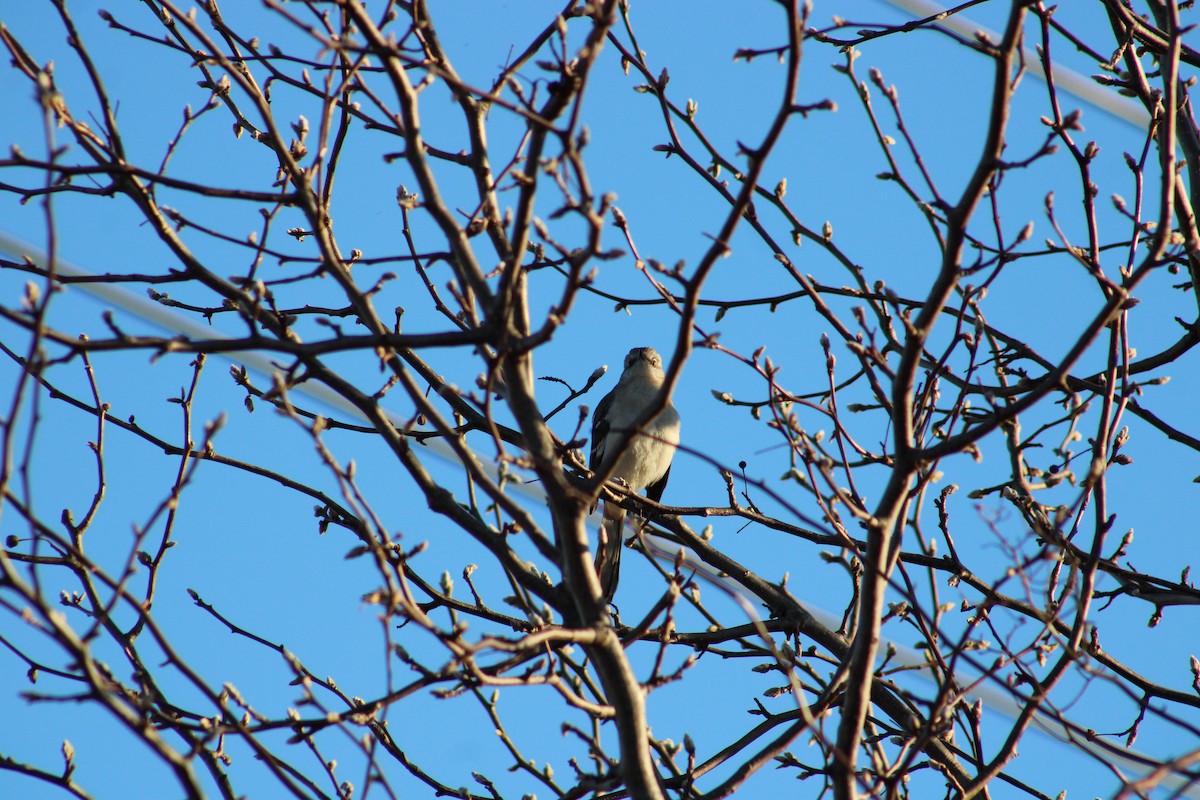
[600, 427]
[655, 490]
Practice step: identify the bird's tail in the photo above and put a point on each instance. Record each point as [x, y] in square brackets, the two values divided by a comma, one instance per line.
[608, 554]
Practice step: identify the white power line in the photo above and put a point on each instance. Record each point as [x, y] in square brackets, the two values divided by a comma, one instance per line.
[1065, 79]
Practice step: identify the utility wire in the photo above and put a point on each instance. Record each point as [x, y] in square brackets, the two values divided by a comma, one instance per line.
[1065, 78]
[173, 322]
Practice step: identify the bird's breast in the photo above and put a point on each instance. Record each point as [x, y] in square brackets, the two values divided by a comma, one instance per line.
[648, 456]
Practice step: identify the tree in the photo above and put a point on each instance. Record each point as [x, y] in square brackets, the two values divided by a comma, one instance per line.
[407, 227]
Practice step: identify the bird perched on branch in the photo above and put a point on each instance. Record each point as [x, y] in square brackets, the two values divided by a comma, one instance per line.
[645, 461]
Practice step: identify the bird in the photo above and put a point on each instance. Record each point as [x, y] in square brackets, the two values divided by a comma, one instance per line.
[645, 463]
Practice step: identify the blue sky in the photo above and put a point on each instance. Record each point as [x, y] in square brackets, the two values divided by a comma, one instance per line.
[252, 549]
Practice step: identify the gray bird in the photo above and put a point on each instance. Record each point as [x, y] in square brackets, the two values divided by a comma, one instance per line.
[644, 464]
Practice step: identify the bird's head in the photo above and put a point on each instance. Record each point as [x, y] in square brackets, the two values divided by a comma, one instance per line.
[644, 359]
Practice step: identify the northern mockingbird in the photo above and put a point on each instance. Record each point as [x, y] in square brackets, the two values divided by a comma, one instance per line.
[645, 463]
